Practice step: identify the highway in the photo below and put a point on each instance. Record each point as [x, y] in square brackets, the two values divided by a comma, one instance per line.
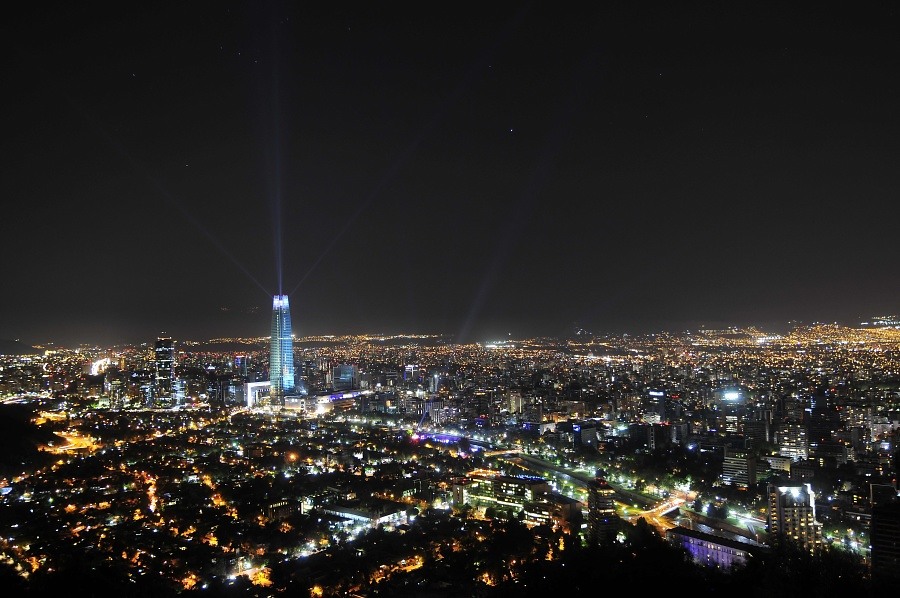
[654, 511]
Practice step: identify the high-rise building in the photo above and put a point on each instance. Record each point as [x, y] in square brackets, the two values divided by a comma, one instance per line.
[792, 440]
[603, 522]
[792, 517]
[738, 469]
[655, 405]
[281, 351]
[885, 540]
[241, 366]
[164, 369]
[345, 377]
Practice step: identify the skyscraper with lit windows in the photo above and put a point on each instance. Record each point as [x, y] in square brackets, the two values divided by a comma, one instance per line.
[164, 369]
[603, 521]
[792, 517]
[281, 351]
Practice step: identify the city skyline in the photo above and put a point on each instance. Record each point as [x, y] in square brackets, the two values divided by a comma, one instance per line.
[522, 170]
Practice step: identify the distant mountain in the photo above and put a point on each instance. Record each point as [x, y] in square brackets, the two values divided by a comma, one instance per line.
[8, 347]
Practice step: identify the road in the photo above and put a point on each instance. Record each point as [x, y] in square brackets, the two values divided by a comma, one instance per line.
[653, 511]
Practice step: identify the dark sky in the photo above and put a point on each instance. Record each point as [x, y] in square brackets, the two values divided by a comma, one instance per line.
[468, 168]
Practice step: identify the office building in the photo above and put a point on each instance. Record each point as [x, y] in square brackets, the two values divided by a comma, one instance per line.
[603, 521]
[345, 377]
[500, 491]
[792, 440]
[164, 369]
[885, 541]
[281, 351]
[738, 469]
[241, 366]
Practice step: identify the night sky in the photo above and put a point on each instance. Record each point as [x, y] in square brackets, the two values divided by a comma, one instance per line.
[477, 169]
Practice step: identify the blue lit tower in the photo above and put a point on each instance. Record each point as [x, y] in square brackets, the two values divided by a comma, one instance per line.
[281, 351]
[164, 368]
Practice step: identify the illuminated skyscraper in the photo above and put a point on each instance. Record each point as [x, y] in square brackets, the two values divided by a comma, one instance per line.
[603, 522]
[164, 374]
[738, 469]
[281, 351]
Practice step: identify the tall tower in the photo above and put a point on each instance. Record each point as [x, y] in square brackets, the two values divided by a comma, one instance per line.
[281, 351]
[164, 369]
[603, 521]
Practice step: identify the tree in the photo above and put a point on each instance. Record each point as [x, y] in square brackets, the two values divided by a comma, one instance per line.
[463, 511]
[463, 446]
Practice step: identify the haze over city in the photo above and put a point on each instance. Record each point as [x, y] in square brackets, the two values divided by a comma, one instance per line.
[489, 170]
